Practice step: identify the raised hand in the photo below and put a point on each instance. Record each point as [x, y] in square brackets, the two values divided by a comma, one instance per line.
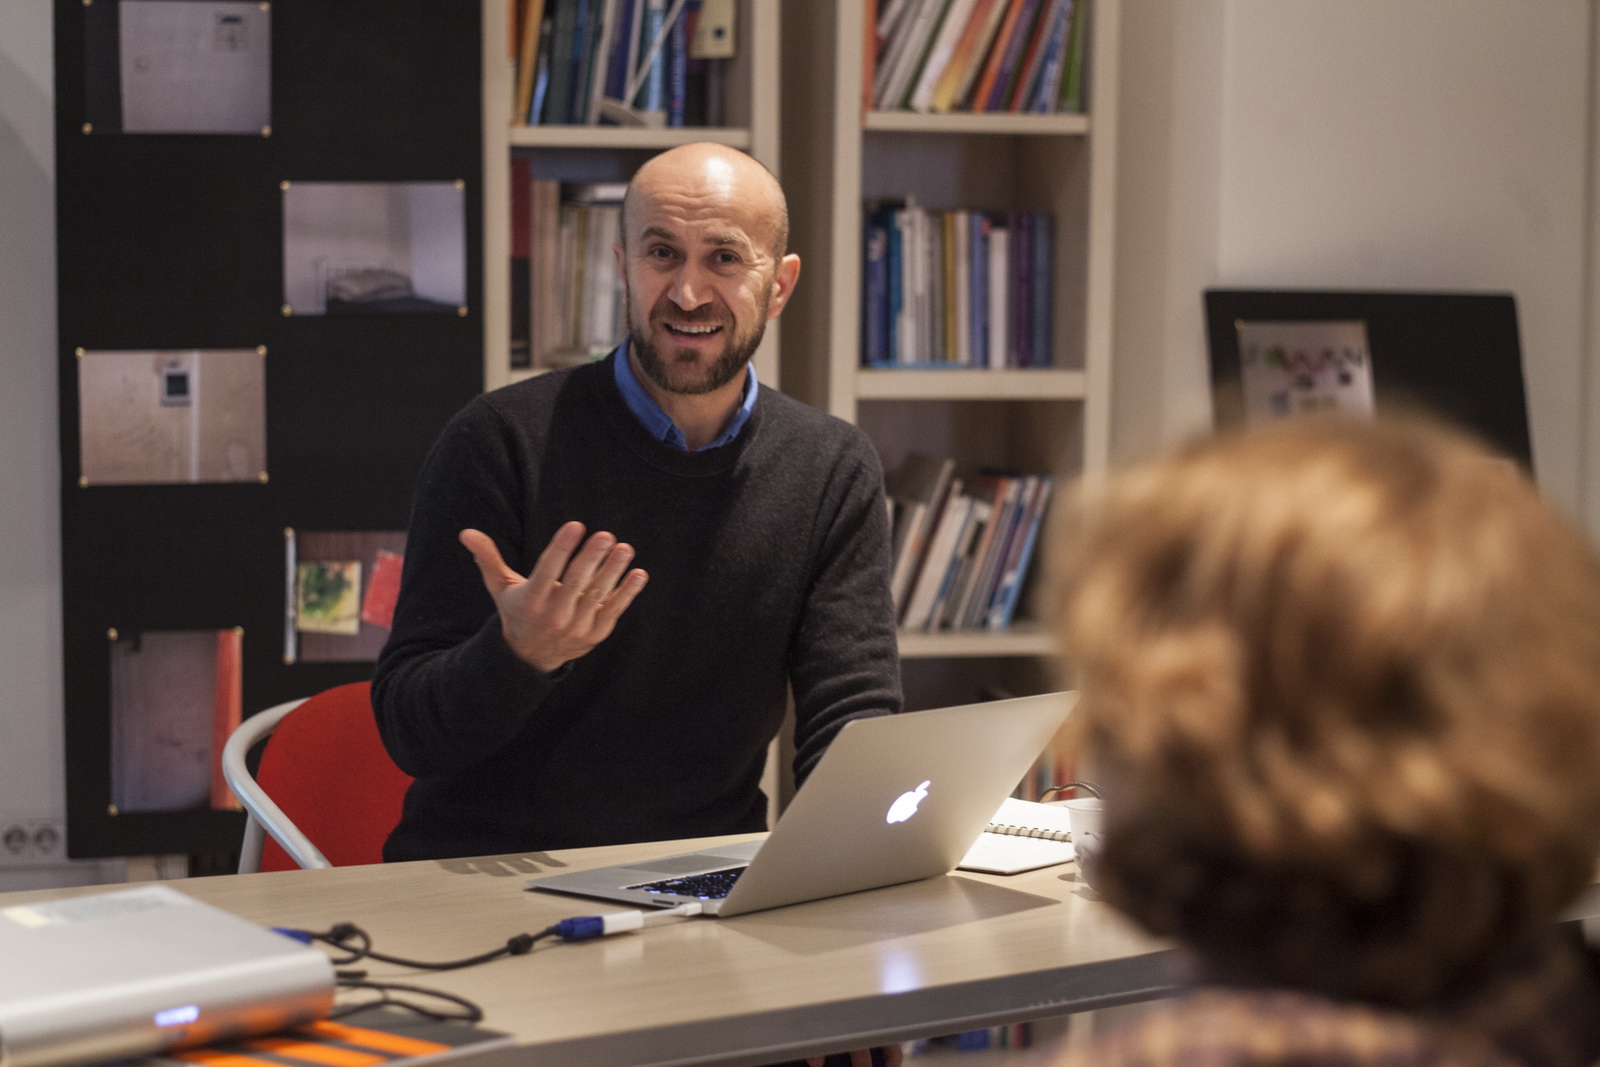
[568, 603]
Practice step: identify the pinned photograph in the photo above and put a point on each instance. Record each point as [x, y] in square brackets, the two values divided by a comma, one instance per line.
[1297, 368]
[179, 66]
[176, 695]
[171, 416]
[328, 597]
[340, 588]
[374, 248]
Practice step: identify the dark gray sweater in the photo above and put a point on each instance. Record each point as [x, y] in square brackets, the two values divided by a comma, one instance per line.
[768, 562]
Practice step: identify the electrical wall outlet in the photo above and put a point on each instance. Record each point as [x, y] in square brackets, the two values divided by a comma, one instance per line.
[32, 842]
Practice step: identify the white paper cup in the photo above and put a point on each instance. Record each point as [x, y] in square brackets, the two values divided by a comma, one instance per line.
[1085, 818]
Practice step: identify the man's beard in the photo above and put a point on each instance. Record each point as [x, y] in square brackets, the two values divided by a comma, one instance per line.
[675, 378]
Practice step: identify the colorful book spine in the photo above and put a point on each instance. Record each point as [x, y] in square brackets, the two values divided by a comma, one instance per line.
[1010, 60]
[1048, 86]
[1035, 55]
[1005, 606]
[1021, 289]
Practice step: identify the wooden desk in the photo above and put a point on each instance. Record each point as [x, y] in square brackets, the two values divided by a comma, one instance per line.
[937, 956]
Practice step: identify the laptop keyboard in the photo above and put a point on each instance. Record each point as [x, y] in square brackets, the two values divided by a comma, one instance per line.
[713, 885]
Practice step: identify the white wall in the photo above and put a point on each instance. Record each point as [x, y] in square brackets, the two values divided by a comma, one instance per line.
[1434, 144]
[31, 779]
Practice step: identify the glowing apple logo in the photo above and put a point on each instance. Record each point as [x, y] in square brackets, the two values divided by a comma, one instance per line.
[905, 805]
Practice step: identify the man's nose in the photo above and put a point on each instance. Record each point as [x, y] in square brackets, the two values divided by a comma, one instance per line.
[690, 288]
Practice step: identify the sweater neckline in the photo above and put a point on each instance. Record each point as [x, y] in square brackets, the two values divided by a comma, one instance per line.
[658, 454]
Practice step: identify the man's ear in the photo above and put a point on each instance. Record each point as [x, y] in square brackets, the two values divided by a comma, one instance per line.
[783, 283]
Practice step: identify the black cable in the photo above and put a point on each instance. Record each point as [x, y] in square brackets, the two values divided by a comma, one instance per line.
[471, 1013]
[341, 934]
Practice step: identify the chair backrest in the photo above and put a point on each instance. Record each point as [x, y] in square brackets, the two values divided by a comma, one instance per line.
[325, 769]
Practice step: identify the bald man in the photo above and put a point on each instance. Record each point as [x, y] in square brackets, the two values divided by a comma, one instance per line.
[614, 573]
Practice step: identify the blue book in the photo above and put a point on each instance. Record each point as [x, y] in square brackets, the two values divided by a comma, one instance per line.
[1011, 584]
[1021, 287]
[541, 80]
[875, 295]
[1041, 245]
[558, 96]
[677, 70]
[1048, 86]
[978, 273]
[616, 86]
[895, 284]
[652, 95]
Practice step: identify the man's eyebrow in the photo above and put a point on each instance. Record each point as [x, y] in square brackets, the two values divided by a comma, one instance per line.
[720, 240]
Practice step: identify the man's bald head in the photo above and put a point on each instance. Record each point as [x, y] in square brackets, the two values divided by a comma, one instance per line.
[709, 169]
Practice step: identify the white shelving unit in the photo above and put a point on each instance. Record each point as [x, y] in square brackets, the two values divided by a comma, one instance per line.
[608, 153]
[838, 156]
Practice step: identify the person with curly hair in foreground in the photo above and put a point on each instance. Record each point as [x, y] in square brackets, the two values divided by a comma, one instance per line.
[1340, 681]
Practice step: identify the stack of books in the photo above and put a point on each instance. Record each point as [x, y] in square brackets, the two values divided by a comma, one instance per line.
[976, 55]
[567, 302]
[961, 551]
[956, 288]
[619, 62]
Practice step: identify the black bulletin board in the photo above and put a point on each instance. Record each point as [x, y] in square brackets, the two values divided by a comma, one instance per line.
[174, 241]
[1454, 355]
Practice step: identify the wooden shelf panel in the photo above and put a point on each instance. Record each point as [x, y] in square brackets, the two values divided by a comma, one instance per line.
[658, 137]
[969, 384]
[1023, 639]
[988, 122]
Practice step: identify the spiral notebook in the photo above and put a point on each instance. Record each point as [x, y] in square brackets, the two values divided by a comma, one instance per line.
[1022, 836]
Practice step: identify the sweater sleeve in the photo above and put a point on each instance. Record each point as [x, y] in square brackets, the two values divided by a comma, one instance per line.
[448, 692]
[845, 661]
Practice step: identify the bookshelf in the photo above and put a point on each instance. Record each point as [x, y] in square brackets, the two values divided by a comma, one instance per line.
[609, 153]
[837, 156]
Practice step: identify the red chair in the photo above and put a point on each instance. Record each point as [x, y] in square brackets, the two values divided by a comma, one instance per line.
[326, 792]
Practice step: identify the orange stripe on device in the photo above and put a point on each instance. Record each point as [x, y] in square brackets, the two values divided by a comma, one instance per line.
[375, 1039]
[311, 1052]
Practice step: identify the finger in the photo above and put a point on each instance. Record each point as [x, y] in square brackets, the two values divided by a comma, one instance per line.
[491, 565]
[605, 580]
[553, 560]
[618, 601]
[892, 1055]
[816, 1061]
[861, 1057]
[580, 572]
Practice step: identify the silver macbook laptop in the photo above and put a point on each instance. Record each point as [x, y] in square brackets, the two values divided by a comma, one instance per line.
[895, 798]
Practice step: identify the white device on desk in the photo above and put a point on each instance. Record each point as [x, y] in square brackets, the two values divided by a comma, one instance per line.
[895, 798]
[139, 970]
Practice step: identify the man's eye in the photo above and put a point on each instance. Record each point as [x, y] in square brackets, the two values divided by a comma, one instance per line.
[660, 253]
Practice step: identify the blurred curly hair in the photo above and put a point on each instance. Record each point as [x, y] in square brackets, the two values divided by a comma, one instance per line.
[1341, 680]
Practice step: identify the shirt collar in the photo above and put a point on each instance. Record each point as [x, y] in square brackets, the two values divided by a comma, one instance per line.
[658, 423]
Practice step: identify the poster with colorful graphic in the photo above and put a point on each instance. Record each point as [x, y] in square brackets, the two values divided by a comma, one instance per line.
[1296, 368]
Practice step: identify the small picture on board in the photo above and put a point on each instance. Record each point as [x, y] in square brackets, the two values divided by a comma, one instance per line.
[374, 248]
[327, 597]
[340, 592]
[176, 695]
[163, 417]
[1297, 368]
[178, 66]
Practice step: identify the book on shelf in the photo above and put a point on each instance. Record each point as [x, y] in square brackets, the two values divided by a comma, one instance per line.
[1072, 81]
[1023, 835]
[573, 310]
[973, 55]
[918, 489]
[956, 288]
[962, 551]
[629, 62]
[952, 24]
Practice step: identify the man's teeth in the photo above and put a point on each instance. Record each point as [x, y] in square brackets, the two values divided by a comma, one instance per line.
[711, 328]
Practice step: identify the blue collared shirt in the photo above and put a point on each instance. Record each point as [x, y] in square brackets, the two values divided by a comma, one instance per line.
[659, 424]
